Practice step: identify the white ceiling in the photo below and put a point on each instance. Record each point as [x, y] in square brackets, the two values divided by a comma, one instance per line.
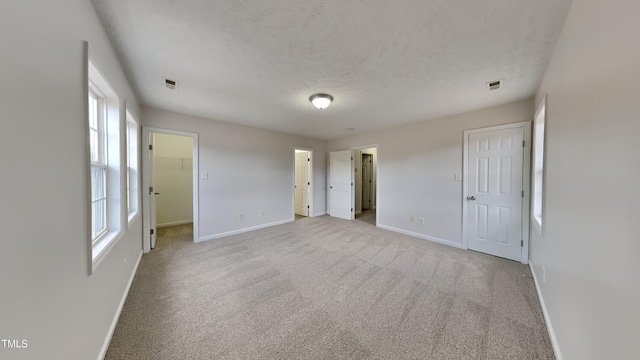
[256, 62]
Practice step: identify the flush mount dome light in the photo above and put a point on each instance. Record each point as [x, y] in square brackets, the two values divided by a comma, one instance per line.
[321, 101]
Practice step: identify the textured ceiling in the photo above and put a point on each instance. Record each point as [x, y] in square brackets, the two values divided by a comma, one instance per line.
[256, 62]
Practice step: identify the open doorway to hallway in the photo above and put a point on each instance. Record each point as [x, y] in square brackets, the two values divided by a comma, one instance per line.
[365, 166]
[302, 183]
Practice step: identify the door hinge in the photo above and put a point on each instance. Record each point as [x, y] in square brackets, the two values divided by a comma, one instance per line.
[150, 189]
[352, 158]
[521, 243]
[523, 143]
[351, 209]
[351, 184]
[150, 147]
[308, 159]
[308, 183]
[307, 206]
[151, 231]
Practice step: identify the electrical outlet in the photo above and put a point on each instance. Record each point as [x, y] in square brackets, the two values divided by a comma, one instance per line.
[205, 175]
[421, 220]
[457, 177]
[412, 219]
[260, 213]
[241, 216]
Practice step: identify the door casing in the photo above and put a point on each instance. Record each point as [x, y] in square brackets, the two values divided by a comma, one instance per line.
[526, 170]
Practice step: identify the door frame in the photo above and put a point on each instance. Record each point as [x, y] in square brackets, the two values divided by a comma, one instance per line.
[526, 170]
[310, 189]
[146, 130]
[377, 177]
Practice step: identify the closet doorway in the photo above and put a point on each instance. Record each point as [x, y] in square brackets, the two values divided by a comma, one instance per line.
[171, 178]
[302, 186]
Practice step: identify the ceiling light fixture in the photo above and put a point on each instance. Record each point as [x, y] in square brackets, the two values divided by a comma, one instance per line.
[321, 101]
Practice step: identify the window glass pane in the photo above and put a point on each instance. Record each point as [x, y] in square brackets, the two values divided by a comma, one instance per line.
[94, 144]
[98, 183]
[99, 218]
[93, 111]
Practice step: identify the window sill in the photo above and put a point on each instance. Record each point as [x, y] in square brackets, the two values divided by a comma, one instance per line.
[100, 249]
[132, 217]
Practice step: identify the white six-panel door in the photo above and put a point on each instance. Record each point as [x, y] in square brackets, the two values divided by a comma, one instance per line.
[495, 192]
[341, 184]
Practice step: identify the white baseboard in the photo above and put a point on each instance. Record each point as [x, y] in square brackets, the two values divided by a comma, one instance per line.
[244, 230]
[421, 236]
[172, 223]
[114, 323]
[547, 320]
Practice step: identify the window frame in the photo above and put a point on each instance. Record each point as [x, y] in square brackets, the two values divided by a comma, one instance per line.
[101, 163]
[110, 159]
[132, 185]
[538, 151]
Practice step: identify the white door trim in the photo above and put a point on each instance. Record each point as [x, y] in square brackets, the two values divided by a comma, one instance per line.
[526, 170]
[310, 195]
[146, 130]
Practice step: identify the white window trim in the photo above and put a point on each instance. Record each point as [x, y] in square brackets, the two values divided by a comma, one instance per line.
[132, 164]
[538, 165]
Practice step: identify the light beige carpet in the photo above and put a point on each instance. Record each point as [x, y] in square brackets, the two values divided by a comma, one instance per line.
[323, 288]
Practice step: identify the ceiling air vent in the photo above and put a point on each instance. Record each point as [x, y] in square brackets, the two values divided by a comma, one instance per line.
[170, 84]
[495, 85]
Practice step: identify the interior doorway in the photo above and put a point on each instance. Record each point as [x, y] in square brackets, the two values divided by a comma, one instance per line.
[353, 179]
[302, 198]
[365, 167]
[170, 175]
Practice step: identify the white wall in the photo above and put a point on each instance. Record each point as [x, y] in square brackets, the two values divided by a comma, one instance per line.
[416, 164]
[46, 296]
[591, 246]
[250, 170]
[173, 178]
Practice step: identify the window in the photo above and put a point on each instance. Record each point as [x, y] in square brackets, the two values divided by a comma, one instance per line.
[97, 141]
[106, 190]
[132, 167]
[538, 164]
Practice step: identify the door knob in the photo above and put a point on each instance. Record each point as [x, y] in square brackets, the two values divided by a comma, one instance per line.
[472, 198]
[330, 187]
